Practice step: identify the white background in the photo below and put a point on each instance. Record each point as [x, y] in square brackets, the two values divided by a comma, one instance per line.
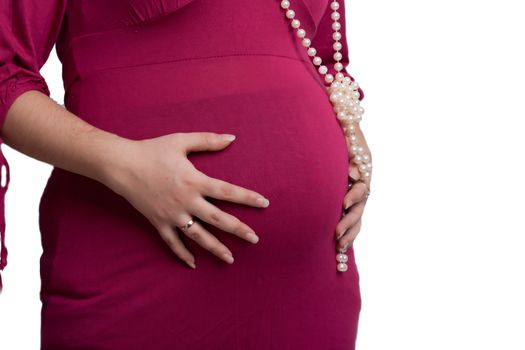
[440, 251]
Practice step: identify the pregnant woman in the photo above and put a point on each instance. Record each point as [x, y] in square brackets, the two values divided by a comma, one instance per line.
[150, 199]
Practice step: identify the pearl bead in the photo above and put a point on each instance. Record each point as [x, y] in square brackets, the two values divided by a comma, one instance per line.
[323, 69]
[334, 5]
[336, 26]
[342, 267]
[341, 257]
[317, 60]
[301, 33]
[306, 42]
[311, 51]
[338, 56]
[285, 4]
[337, 36]
[335, 15]
[329, 78]
[337, 46]
[290, 13]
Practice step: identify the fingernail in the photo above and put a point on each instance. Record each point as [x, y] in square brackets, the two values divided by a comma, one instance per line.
[348, 204]
[191, 264]
[263, 201]
[228, 258]
[354, 174]
[252, 237]
[228, 137]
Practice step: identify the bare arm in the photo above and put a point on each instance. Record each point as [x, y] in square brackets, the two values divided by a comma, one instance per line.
[42, 129]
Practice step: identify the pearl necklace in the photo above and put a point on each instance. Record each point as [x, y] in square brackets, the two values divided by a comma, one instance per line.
[344, 96]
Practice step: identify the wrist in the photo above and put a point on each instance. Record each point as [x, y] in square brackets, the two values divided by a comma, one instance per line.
[116, 163]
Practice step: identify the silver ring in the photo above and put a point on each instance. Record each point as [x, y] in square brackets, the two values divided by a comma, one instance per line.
[187, 225]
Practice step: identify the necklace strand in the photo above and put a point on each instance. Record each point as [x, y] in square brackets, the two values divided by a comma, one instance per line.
[343, 94]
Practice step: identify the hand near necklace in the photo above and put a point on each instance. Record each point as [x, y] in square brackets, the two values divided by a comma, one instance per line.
[353, 203]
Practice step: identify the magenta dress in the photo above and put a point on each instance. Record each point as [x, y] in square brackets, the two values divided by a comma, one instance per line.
[146, 68]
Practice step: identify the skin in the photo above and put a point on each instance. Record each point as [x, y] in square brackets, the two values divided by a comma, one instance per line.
[173, 189]
[354, 201]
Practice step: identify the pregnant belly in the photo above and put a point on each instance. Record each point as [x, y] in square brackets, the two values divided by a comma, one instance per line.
[289, 147]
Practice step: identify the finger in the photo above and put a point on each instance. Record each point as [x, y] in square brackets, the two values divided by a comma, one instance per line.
[171, 237]
[353, 171]
[224, 190]
[349, 238]
[349, 219]
[206, 240]
[357, 193]
[223, 220]
[205, 141]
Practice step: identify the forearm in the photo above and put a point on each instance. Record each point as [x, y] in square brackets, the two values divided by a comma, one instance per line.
[40, 128]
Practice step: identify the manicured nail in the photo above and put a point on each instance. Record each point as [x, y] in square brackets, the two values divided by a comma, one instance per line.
[228, 257]
[191, 264]
[228, 137]
[263, 201]
[348, 204]
[343, 233]
[252, 237]
[354, 173]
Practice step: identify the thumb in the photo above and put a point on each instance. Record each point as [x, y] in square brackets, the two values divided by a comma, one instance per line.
[353, 171]
[206, 141]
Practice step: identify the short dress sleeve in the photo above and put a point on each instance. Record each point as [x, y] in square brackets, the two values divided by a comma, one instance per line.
[323, 41]
[28, 32]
